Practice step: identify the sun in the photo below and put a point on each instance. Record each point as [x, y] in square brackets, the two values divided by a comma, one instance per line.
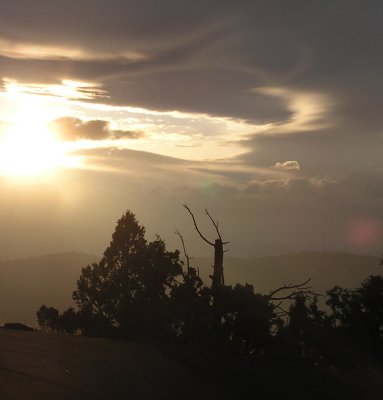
[28, 150]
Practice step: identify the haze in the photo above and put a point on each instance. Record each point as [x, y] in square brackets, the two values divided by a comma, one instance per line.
[267, 113]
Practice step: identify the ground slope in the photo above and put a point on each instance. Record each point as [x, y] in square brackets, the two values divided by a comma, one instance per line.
[54, 367]
[37, 366]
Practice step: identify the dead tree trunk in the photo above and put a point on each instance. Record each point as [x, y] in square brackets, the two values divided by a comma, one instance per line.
[218, 280]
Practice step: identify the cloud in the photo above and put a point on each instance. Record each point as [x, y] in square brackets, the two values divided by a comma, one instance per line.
[301, 80]
[208, 58]
[71, 90]
[25, 51]
[71, 129]
[288, 165]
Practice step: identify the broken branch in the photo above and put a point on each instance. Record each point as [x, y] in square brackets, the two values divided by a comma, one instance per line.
[177, 232]
[196, 226]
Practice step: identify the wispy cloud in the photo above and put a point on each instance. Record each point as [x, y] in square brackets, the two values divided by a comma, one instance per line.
[36, 51]
[67, 89]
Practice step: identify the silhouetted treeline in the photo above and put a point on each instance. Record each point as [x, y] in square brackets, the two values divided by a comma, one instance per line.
[139, 289]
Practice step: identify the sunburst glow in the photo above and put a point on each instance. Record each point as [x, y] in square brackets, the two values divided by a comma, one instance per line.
[30, 150]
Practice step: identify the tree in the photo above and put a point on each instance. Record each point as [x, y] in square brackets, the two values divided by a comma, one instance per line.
[358, 313]
[247, 319]
[69, 321]
[47, 318]
[129, 288]
[305, 333]
[190, 305]
[218, 279]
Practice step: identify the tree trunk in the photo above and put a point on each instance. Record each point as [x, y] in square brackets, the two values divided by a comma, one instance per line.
[218, 279]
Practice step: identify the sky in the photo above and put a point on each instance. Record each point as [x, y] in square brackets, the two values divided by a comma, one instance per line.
[266, 113]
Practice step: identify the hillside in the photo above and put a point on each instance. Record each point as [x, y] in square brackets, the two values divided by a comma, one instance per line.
[38, 366]
[325, 270]
[26, 284]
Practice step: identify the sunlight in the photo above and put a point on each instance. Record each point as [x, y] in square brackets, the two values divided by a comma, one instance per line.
[27, 150]
[67, 89]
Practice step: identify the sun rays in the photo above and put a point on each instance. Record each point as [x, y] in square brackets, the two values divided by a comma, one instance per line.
[29, 150]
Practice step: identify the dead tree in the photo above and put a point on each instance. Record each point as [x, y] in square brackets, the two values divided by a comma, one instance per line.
[218, 279]
[178, 233]
[290, 293]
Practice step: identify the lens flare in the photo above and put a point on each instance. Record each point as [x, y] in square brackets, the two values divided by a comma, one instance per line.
[364, 232]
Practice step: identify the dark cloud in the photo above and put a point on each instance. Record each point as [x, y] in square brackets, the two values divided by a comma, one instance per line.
[69, 128]
[206, 56]
[329, 152]
[96, 24]
[216, 91]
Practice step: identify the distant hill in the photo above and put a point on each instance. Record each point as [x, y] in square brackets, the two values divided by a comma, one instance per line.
[266, 273]
[28, 283]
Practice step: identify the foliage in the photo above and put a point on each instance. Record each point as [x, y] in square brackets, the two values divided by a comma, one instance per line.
[358, 313]
[130, 286]
[305, 334]
[189, 308]
[47, 317]
[139, 290]
[247, 319]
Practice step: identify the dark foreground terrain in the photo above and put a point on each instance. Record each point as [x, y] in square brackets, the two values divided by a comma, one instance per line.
[52, 367]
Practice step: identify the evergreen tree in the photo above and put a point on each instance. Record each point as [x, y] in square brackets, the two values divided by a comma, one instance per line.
[129, 288]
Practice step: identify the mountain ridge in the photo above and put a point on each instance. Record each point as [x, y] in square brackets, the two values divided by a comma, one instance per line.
[29, 282]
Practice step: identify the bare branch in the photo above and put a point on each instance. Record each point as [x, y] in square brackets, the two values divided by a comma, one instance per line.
[282, 313]
[295, 294]
[196, 226]
[215, 223]
[301, 286]
[278, 305]
[177, 232]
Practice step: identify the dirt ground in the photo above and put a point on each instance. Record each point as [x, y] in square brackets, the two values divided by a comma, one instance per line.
[56, 367]
[38, 366]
